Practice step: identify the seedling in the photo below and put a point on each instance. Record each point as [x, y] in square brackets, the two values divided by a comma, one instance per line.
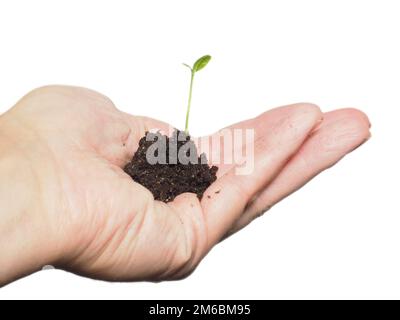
[168, 180]
[197, 66]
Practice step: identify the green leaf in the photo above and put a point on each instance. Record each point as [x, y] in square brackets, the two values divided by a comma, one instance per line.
[201, 63]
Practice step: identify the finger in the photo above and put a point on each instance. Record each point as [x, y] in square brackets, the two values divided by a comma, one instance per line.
[340, 132]
[217, 155]
[279, 133]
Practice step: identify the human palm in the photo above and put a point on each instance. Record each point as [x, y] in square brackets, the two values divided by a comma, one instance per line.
[102, 224]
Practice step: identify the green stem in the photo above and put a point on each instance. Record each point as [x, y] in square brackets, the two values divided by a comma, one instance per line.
[189, 102]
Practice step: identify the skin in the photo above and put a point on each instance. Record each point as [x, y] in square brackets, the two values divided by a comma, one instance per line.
[67, 202]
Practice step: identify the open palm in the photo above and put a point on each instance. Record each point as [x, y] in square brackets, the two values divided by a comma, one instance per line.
[102, 224]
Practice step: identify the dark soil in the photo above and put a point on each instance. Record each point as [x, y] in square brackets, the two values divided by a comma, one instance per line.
[167, 179]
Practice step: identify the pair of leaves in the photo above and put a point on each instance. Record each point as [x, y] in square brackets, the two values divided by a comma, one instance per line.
[200, 63]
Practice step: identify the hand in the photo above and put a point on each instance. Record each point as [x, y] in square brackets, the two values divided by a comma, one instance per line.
[66, 201]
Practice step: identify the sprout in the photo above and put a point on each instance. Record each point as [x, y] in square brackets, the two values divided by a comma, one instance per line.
[197, 66]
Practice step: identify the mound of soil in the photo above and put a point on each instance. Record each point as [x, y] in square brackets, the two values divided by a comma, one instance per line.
[169, 166]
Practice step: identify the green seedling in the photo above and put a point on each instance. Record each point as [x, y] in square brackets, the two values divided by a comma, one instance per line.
[197, 66]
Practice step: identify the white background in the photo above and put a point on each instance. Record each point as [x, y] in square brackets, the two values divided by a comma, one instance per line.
[338, 237]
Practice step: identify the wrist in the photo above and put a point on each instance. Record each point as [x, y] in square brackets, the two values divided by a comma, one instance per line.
[26, 241]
